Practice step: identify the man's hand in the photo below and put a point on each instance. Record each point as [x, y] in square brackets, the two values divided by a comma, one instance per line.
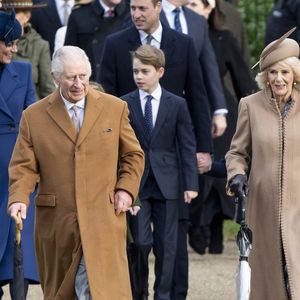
[189, 196]
[15, 208]
[219, 125]
[123, 201]
[204, 162]
[134, 210]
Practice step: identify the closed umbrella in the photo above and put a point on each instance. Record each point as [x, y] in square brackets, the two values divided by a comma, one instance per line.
[244, 241]
[18, 272]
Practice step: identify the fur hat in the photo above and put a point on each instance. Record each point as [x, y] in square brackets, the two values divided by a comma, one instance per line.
[278, 50]
[10, 28]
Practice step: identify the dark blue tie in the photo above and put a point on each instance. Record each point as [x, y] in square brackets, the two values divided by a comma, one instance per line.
[177, 23]
[148, 114]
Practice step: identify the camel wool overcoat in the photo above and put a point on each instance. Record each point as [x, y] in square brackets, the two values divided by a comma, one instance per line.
[272, 142]
[78, 178]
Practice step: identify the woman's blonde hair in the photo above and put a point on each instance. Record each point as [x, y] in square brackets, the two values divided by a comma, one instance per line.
[292, 62]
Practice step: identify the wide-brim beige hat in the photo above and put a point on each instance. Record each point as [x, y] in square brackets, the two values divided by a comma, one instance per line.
[278, 50]
[20, 4]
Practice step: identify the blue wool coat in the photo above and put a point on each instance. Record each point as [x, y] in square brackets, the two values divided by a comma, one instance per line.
[16, 93]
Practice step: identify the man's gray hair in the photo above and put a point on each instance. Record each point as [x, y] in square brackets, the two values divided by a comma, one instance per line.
[68, 53]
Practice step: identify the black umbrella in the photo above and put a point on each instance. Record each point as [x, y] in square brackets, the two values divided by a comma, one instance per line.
[244, 241]
[18, 272]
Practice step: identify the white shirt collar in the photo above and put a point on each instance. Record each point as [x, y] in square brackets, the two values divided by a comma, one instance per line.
[69, 105]
[105, 7]
[60, 3]
[169, 7]
[156, 94]
[157, 34]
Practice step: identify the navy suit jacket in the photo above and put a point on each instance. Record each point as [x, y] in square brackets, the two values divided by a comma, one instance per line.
[198, 31]
[171, 145]
[46, 21]
[182, 77]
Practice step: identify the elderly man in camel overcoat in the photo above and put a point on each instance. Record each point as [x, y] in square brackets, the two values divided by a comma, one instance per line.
[89, 164]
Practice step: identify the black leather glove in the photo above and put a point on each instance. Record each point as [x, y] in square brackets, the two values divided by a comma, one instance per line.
[239, 185]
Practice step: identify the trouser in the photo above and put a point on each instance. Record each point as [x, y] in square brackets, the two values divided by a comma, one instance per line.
[163, 239]
[82, 289]
[180, 282]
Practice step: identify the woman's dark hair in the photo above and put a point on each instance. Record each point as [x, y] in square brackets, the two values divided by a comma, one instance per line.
[216, 19]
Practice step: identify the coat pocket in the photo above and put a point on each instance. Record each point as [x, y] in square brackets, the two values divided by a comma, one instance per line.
[45, 200]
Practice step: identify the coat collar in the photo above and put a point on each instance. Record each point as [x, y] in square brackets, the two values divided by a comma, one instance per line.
[269, 97]
[168, 42]
[59, 114]
[52, 12]
[99, 10]
[133, 38]
[9, 82]
[135, 109]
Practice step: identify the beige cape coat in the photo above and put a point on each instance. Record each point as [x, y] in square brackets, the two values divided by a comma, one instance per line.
[273, 207]
[75, 201]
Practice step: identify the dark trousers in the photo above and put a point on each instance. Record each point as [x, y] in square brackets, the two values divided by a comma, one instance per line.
[162, 238]
[180, 281]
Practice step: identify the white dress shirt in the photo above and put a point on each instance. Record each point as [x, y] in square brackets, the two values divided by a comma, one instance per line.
[80, 105]
[155, 101]
[170, 15]
[156, 41]
[61, 9]
[106, 8]
[59, 39]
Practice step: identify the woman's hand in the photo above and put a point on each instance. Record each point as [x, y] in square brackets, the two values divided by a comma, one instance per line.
[239, 185]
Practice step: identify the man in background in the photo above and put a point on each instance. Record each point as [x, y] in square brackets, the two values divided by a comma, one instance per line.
[90, 23]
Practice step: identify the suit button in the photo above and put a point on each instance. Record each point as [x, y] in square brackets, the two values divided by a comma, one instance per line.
[94, 41]
[12, 127]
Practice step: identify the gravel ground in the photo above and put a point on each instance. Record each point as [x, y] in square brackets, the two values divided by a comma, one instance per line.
[212, 277]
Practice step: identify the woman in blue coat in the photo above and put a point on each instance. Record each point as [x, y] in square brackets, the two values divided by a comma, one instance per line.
[16, 93]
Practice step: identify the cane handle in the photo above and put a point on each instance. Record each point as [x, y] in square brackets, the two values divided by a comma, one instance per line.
[19, 227]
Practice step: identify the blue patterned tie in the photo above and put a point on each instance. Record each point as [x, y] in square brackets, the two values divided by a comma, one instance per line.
[148, 114]
[177, 23]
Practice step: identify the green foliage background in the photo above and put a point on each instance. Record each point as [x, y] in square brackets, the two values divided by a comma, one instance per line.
[254, 13]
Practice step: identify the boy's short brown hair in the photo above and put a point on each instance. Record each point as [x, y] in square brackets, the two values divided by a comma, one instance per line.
[150, 55]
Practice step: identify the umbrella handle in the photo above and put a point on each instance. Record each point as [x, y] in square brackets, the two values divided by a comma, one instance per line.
[19, 227]
[240, 216]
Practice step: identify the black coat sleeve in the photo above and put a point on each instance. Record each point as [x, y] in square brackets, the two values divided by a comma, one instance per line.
[107, 74]
[196, 96]
[71, 34]
[187, 148]
[239, 71]
[211, 74]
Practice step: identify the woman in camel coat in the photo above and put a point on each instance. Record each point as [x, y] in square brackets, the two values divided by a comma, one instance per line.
[267, 138]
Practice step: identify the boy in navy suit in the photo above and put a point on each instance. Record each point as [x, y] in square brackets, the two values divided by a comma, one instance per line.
[164, 129]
